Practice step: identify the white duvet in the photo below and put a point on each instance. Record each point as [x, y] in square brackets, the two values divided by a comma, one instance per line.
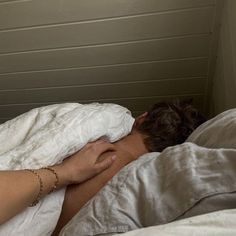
[45, 136]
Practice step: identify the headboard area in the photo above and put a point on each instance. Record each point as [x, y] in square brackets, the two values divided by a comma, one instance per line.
[130, 52]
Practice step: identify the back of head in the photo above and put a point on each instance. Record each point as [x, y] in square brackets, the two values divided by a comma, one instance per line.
[169, 123]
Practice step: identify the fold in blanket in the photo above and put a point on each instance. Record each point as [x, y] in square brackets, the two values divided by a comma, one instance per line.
[45, 136]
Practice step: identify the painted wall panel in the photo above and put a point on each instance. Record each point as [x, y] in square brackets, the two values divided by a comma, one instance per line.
[17, 14]
[104, 91]
[151, 70]
[127, 52]
[149, 26]
[224, 84]
[131, 52]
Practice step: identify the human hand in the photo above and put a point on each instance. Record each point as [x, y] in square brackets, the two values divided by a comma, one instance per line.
[84, 164]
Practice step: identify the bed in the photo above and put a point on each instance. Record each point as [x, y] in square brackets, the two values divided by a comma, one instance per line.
[186, 188]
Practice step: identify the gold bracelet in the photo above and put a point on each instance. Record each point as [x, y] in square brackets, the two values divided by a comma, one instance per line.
[56, 176]
[40, 187]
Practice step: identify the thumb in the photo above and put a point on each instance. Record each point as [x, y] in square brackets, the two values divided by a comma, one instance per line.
[101, 166]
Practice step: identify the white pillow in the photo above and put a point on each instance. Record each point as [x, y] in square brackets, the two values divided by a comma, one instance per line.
[219, 132]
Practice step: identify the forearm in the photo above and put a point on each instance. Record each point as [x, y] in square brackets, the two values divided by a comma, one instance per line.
[78, 195]
[19, 189]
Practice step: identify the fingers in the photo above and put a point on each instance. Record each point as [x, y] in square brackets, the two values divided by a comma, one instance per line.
[84, 164]
[99, 147]
[101, 166]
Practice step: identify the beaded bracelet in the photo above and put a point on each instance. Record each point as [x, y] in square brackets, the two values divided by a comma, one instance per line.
[56, 176]
[40, 187]
[41, 184]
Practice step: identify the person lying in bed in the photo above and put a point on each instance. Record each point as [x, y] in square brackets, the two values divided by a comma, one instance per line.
[165, 124]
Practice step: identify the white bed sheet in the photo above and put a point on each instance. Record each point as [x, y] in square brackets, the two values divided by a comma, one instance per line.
[220, 223]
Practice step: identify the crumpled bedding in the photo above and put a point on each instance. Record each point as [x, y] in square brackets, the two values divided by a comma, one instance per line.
[220, 223]
[183, 181]
[159, 188]
[218, 132]
[45, 136]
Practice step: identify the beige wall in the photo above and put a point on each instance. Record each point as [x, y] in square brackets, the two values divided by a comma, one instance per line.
[224, 83]
[130, 52]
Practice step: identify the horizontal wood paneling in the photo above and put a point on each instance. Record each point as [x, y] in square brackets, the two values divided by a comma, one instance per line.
[130, 52]
[105, 91]
[11, 1]
[196, 67]
[149, 50]
[2, 120]
[108, 31]
[136, 104]
[31, 13]
[224, 83]
[143, 104]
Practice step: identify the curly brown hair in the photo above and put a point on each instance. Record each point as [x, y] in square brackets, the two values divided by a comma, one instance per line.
[169, 123]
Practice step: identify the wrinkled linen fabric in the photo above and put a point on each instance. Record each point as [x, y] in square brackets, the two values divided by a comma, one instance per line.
[157, 189]
[218, 132]
[39, 220]
[220, 223]
[45, 136]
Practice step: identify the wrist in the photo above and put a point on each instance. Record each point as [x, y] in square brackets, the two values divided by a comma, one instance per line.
[63, 175]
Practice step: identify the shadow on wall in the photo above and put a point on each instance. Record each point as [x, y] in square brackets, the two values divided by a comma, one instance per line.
[224, 85]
